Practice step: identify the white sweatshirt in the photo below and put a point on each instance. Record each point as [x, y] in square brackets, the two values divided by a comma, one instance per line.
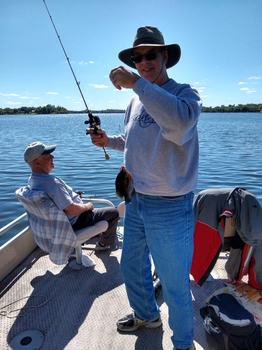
[160, 143]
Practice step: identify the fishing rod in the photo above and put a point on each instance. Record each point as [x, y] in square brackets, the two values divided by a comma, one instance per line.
[94, 121]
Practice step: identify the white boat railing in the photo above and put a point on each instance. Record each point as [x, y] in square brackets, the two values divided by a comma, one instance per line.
[97, 200]
[12, 224]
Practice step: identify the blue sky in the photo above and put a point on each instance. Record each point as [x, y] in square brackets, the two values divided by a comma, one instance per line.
[220, 42]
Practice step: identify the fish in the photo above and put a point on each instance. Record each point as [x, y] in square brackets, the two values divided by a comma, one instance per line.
[124, 185]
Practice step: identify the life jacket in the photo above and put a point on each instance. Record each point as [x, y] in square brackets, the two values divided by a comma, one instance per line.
[212, 207]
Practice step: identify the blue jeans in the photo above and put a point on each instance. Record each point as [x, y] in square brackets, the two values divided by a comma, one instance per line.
[162, 227]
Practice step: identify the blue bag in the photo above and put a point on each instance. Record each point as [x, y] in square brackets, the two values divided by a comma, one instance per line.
[229, 326]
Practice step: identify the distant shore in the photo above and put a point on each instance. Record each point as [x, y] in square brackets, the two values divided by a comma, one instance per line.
[50, 109]
[248, 108]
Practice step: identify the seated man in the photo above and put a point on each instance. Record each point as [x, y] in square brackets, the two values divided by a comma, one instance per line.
[38, 156]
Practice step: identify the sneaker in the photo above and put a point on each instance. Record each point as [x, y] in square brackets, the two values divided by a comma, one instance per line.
[100, 248]
[130, 323]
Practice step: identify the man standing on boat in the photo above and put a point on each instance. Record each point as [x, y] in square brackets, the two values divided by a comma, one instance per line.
[40, 159]
[161, 152]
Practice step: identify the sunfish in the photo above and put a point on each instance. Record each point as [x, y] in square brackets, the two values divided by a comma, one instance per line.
[124, 185]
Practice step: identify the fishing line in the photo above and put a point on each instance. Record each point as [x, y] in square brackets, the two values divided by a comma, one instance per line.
[94, 121]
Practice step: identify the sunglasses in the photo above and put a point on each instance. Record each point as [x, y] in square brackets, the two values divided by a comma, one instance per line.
[150, 56]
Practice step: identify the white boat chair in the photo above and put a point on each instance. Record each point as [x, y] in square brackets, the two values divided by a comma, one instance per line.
[52, 230]
[121, 209]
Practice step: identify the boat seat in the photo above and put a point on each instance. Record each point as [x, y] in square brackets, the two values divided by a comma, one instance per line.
[52, 230]
[121, 209]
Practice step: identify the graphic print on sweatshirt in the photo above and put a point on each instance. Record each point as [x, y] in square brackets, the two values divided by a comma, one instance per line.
[143, 118]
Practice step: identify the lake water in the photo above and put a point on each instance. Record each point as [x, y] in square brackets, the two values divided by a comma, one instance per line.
[230, 155]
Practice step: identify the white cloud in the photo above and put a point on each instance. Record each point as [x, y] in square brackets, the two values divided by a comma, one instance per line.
[24, 97]
[52, 93]
[11, 95]
[99, 86]
[254, 78]
[13, 103]
[242, 83]
[82, 62]
[248, 91]
[201, 89]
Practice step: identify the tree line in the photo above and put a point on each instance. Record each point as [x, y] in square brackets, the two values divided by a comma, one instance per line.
[251, 108]
[50, 109]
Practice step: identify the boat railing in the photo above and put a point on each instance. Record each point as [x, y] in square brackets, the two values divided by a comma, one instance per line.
[12, 224]
[97, 200]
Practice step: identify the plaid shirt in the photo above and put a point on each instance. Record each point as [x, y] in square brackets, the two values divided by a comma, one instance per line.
[52, 230]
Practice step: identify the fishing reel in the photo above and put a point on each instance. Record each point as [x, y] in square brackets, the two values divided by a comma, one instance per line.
[94, 122]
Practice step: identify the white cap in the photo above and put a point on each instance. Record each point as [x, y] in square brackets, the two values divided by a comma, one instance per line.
[35, 150]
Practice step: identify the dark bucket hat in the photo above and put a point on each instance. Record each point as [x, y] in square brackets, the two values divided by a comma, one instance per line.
[151, 36]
